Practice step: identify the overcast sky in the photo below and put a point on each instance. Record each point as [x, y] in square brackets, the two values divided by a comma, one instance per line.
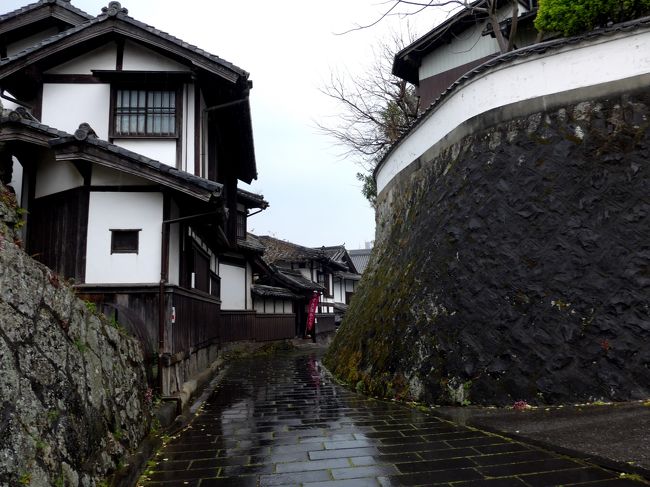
[289, 47]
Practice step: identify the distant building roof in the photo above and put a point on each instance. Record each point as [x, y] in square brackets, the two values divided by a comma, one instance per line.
[360, 257]
[251, 200]
[297, 281]
[407, 61]
[282, 251]
[250, 243]
[272, 292]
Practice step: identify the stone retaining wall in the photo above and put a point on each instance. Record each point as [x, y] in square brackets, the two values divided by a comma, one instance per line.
[515, 265]
[73, 393]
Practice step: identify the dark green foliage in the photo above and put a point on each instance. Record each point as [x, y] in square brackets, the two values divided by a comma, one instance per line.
[369, 188]
[571, 17]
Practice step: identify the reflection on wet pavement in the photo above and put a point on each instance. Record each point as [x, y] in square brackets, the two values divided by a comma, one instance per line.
[278, 420]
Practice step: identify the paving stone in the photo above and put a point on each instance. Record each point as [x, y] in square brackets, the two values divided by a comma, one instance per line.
[363, 472]
[516, 457]
[433, 478]
[229, 482]
[448, 453]
[367, 482]
[322, 455]
[312, 465]
[568, 477]
[273, 421]
[512, 482]
[432, 465]
[528, 467]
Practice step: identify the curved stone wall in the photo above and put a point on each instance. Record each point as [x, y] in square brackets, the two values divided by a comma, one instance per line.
[513, 265]
[73, 390]
[540, 75]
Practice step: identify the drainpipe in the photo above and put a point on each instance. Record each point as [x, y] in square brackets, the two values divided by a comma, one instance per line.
[164, 275]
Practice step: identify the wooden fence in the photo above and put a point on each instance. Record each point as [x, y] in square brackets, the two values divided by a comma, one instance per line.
[195, 326]
[325, 324]
[248, 325]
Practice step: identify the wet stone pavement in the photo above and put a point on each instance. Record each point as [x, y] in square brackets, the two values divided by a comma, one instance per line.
[278, 420]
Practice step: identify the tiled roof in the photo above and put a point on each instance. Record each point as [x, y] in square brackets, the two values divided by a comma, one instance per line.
[252, 200]
[348, 275]
[251, 243]
[297, 280]
[282, 251]
[272, 292]
[146, 161]
[339, 255]
[335, 252]
[33, 6]
[122, 15]
[524, 52]
[360, 257]
[59, 138]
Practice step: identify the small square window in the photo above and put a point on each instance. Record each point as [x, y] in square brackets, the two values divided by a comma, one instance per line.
[124, 241]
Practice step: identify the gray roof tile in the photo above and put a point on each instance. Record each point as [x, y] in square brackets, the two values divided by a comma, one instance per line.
[540, 48]
[59, 137]
[36, 5]
[124, 17]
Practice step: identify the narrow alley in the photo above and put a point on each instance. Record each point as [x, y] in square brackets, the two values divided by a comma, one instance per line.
[280, 420]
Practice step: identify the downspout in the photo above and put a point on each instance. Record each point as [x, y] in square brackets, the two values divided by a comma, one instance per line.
[164, 275]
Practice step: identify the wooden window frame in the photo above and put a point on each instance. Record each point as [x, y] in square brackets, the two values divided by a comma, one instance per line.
[329, 292]
[115, 231]
[241, 224]
[178, 115]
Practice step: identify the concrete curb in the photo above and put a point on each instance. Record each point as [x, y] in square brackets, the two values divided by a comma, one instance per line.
[547, 445]
[599, 460]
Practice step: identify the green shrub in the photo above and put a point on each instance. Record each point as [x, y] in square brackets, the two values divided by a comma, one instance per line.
[571, 17]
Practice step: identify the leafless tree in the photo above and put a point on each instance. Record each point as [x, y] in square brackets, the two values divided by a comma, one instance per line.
[378, 107]
[487, 8]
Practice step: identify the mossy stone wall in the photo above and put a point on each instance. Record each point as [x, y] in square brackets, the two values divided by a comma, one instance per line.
[513, 266]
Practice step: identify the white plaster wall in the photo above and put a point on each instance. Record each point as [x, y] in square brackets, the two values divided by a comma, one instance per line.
[16, 47]
[139, 58]
[174, 269]
[65, 106]
[105, 176]
[590, 63]
[161, 150]
[102, 58]
[337, 291]
[17, 180]
[54, 177]
[188, 129]
[108, 210]
[233, 286]
[249, 284]
[467, 47]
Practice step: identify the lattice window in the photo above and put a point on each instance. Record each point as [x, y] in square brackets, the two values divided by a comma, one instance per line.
[145, 113]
